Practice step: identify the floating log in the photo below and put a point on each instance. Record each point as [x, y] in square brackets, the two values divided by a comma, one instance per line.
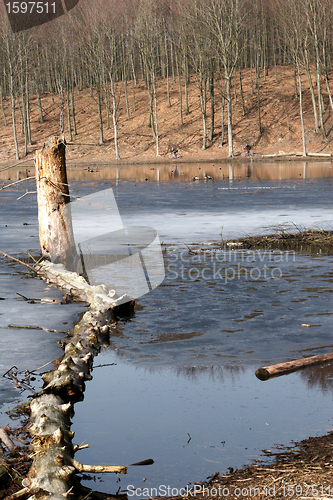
[272, 371]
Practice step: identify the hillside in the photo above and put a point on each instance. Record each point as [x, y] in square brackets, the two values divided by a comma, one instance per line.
[279, 115]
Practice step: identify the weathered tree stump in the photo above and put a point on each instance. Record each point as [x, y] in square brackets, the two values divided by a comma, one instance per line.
[54, 214]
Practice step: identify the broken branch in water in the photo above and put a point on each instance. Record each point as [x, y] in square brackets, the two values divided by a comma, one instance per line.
[97, 469]
[18, 261]
[33, 327]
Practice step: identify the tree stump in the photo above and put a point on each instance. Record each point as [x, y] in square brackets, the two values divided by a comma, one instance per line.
[54, 213]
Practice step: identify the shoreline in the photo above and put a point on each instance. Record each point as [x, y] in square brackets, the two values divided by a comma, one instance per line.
[238, 158]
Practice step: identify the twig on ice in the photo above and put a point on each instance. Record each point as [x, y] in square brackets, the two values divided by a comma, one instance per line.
[19, 261]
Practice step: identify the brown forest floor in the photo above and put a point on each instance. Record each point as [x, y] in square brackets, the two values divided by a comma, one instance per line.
[280, 118]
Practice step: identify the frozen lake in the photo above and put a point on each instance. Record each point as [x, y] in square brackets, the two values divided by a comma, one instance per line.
[183, 390]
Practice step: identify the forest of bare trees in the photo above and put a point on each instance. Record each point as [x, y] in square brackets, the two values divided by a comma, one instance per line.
[104, 43]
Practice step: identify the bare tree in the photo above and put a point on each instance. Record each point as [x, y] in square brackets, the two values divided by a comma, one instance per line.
[223, 19]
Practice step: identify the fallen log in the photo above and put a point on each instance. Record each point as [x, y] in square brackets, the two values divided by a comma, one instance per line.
[272, 371]
[325, 155]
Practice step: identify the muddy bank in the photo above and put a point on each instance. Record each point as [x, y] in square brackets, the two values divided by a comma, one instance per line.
[301, 470]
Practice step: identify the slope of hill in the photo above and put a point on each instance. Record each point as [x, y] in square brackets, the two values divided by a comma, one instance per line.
[279, 110]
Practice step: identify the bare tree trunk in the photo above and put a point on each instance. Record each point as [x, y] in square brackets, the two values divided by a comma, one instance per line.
[180, 93]
[187, 110]
[320, 106]
[203, 105]
[258, 91]
[301, 108]
[126, 99]
[241, 91]
[155, 112]
[295, 82]
[12, 101]
[69, 114]
[313, 98]
[229, 105]
[329, 90]
[222, 114]
[107, 104]
[73, 109]
[133, 94]
[27, 104]
[167, 70]
[114, 118]
[40, 109]
[24, 121]
[2, 108]
[62, 106]
[212, 107]
[55, 223]
[100, 118]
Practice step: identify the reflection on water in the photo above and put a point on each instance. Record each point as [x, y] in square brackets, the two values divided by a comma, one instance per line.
[189, 171]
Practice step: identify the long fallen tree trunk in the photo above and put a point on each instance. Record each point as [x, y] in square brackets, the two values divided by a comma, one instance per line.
[272, 371]
[52, 474]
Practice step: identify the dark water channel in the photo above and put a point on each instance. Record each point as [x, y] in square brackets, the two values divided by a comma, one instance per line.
[183, 390]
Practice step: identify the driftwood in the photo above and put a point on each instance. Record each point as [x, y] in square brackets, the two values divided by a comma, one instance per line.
[272, 371]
